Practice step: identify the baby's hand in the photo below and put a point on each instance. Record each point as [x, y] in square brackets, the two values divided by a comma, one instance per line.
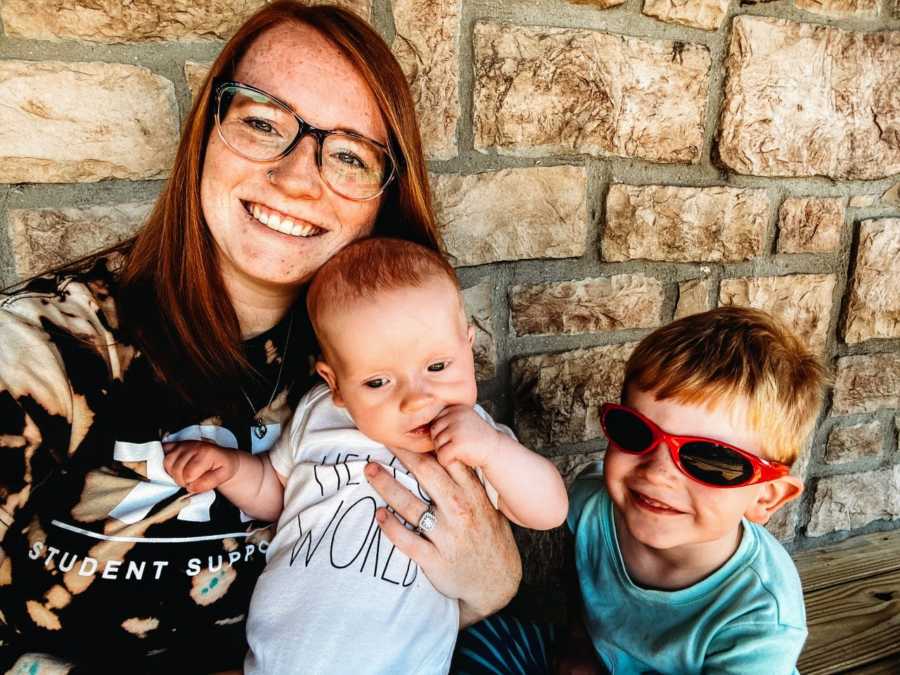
[198, 466]
[460, 434]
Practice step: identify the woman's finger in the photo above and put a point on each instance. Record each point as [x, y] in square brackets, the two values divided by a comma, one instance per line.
[409, 543]
[407, 505]
[464, 476]
[430, 475]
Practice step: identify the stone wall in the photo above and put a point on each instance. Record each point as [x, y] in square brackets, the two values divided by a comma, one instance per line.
[599, 167]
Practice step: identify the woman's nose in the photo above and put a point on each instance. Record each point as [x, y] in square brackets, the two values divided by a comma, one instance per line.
[297, 174]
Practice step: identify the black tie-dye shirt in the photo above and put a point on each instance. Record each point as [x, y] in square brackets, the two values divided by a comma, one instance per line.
[109, 564]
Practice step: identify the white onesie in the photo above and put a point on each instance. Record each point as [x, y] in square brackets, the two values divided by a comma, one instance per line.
[336, 596]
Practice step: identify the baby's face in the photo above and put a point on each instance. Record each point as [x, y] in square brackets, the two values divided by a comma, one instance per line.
[398, 359]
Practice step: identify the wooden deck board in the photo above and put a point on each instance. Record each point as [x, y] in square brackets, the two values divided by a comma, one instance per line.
[888, 666]
[852, 594]
[855, 558]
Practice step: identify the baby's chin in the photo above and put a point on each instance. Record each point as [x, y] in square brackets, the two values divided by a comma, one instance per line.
[417, 445]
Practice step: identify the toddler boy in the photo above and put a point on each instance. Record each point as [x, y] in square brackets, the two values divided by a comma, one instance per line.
[676, 572]
[397, 359]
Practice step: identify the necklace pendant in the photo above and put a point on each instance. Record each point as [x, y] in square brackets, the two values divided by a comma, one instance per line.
[259, 428]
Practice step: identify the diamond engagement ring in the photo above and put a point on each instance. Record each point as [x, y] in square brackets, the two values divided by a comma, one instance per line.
[427, 522]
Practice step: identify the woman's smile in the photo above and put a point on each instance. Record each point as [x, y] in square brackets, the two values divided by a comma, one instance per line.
[281, 222]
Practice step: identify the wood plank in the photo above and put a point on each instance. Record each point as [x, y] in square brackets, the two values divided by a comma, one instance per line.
[888, 666]
[855, 558]
[852, 624]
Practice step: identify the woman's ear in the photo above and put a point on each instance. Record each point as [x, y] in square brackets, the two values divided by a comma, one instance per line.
[327, 374]
[470, 335]
[773, 495]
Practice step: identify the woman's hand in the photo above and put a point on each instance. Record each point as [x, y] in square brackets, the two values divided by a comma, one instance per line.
[470, 554]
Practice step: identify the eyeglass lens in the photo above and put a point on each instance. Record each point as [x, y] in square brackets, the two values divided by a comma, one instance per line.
[715, 464]
[259, 128]
[707, 462]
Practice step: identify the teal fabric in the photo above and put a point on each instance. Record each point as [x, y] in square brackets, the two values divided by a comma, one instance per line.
[747, 617]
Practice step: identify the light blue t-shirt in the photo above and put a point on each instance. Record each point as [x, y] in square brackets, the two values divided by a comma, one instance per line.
[746, 617]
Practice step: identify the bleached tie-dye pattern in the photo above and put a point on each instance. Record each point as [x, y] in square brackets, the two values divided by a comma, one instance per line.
[106, 559]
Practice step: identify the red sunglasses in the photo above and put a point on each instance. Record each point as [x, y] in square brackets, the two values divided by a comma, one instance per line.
[704, 460]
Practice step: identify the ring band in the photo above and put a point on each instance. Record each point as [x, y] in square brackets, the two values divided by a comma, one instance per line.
[427, 521]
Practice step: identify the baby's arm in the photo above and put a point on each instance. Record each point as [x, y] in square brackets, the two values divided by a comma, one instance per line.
[532, 493]
[250, 482]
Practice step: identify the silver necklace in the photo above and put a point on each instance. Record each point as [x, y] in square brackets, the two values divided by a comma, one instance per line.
[259, 427]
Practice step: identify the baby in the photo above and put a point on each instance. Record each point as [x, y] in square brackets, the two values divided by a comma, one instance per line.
[336, 596]
[676, 572]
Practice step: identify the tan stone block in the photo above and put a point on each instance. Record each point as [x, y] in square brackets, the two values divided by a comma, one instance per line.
[136, 21]
[479, 310]
[600, 4]
[810, 224]
[46, 238]
[195, 74]
[427, 47]
[806, 100]
[512, 214]
[873, 310]
[802, 301]
[866, 383]
[854, 442]
[558, 396]
[839, 8]
[545, 91]
[705, 14]
[82, 122]
[587, 305]
[684, 224]
[862, 201]
[693, 297]
[892, 196]
[849, 502]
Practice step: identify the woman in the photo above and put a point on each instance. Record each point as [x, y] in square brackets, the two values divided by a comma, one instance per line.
[194, 332]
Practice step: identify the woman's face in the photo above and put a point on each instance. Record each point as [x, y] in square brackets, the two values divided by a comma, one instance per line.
[297, 65]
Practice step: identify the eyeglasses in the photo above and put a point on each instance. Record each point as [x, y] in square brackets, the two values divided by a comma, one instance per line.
[704, 460]
[261, 128]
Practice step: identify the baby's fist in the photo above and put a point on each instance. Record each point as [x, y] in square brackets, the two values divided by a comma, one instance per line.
[459, 434]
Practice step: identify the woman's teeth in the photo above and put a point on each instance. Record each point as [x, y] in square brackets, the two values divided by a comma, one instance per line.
[283, 224]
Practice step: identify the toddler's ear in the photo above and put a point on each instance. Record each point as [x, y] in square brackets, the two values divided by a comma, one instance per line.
[330, 378]
[470, 335]
[774, 494]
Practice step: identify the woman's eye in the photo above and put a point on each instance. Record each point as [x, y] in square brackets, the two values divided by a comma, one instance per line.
[350, 159]
[376, 383]
[260, 125]
[437, 367]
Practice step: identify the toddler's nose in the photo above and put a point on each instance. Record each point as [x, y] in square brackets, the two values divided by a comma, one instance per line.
[658, 461]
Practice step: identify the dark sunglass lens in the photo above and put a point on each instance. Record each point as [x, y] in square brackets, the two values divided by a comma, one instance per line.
[628, 431]
[715, 464]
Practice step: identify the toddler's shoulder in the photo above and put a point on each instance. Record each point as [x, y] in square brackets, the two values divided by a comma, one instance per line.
[776, 575]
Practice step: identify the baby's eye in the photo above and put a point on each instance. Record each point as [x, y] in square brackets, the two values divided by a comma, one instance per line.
[376, 383]
[437, 367]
